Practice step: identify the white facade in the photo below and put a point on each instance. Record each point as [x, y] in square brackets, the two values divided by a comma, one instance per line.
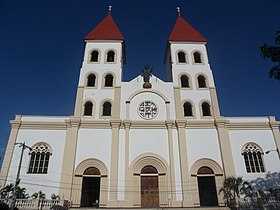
[121, 142]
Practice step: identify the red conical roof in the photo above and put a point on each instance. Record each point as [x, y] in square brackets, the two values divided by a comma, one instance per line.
[107, 29]
[183, 31]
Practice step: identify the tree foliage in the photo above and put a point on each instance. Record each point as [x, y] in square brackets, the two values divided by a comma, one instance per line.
[39, 195]
[8, 192]
[233, 187]
[273, 53]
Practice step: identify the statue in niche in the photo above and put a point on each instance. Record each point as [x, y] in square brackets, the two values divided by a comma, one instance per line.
[146, 76]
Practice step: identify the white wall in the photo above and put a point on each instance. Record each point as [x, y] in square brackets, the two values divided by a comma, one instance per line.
[203, 143]
[263, 138]
[94, 143]
[148, 141]
[47, 183]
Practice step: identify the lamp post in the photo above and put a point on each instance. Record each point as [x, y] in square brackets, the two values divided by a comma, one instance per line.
[23, 147]
[276, 150]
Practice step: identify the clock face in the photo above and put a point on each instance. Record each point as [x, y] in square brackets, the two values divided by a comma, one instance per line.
[147, 110]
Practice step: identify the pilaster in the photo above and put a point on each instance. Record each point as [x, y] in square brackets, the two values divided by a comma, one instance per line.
[172, 196]
[9, 150]
[113, 189]
[225, 148]
[185, 175]
[215, 104]
[69, 157]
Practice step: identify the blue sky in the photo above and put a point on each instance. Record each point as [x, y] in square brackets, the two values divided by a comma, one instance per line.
[41, 50]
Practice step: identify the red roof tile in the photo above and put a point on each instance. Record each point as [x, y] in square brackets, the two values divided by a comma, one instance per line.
[183, 31]
[107, 29]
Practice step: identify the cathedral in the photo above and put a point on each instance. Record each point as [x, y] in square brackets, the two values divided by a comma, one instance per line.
[146, 143]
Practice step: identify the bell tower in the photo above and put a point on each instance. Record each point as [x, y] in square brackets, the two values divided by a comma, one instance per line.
[188, 68]
[101, 71]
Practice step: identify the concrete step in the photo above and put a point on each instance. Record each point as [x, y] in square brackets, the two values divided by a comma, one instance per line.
[191, 208]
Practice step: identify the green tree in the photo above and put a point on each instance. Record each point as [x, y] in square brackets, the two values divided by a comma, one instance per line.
[8, 191]
[233, 188]
[273, 53]
[39, 195]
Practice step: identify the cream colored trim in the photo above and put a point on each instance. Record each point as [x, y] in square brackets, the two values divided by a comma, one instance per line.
[117, 103]
[78, 178]
[114, 80]
[169, 125]
[178, 103]
[201, 57]
[79, 102]
[206, 81]
[183, 157]
[101, 108]
[186, 57]
[113, 191]
[135, 177]
[214, 99]
[225, 148]
[89, 56]
[9, 150]
[145, 91]
[106, 55]
[93, 108]
[275, 130]
[200, 109]
[69, 156]
[127, 195]
[96, 80]
[218, 179]
[193, 108]
[190, 81]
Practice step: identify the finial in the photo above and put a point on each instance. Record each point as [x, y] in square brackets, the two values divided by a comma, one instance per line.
[179, 13]
[110, 9]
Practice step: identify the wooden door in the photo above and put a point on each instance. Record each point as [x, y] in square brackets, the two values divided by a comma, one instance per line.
[149, 192]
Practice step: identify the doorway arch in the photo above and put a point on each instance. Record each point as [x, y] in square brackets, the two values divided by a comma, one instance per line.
[202, 170]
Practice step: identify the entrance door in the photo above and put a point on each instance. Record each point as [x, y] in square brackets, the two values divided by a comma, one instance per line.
[207, 191]
[149, 188]
[90, 191]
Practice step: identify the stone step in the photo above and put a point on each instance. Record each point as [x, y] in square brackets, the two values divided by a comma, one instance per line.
[191, 208]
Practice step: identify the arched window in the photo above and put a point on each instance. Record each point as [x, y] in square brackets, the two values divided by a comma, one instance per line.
[197, 57]
[107, 109]
[88, 109]
[253, 159]
[181, 57]
[201, 81]
[39, 160]
[91, 80]
[185, 81]
[111, 56]
[109, 80]
[205, 170]
[188, 109]
[205, 109]
[94, 56]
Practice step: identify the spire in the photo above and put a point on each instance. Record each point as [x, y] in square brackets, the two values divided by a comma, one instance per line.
[183, 31]
[107, 29]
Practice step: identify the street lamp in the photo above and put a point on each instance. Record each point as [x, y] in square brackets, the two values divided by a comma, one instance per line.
[276, 150]
[18, 172]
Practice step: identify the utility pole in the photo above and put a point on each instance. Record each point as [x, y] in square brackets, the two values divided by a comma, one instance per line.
[23, 147]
